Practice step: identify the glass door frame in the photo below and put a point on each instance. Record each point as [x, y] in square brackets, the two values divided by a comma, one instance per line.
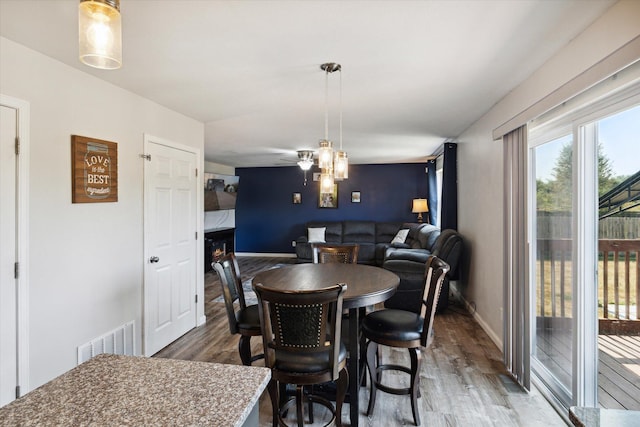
[583, 124]
[584, 259]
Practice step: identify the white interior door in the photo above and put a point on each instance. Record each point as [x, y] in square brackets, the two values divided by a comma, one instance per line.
[170, 214]
[8, 257]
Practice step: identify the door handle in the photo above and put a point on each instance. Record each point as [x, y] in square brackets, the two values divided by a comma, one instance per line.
[154, 259]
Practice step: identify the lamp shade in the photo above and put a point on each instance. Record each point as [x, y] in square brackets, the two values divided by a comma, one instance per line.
[100, 33]
[420, 206]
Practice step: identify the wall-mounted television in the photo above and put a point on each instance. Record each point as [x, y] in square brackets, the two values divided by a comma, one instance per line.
[220, 191]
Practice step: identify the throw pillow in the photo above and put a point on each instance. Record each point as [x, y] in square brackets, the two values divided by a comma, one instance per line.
[401, 236]
[316, 235]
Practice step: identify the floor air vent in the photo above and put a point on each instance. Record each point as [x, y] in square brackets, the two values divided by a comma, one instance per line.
[118, 341]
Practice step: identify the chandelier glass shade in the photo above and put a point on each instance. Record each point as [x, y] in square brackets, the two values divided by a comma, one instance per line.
[340, 166]
[100, 33]
[325, 155]
[326, 182]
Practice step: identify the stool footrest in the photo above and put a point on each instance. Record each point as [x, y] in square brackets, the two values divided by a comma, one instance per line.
[388, 389]
[291, 402]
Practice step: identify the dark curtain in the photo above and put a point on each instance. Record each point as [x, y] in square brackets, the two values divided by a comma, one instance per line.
[432, 192]
[449, 216]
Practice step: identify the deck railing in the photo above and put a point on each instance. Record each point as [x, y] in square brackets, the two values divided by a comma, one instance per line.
[618, 278]
[625, 283]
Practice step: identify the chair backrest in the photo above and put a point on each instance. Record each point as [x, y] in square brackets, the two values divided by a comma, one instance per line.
[230, 280]
[344, 253]
[435, 270]
[304, 321]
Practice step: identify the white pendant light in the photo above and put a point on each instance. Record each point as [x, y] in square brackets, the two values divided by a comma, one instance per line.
[100, 33]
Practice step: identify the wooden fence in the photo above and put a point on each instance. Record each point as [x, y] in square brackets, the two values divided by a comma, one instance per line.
[558, 225]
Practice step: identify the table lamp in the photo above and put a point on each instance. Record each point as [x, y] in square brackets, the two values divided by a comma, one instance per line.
[420, 206]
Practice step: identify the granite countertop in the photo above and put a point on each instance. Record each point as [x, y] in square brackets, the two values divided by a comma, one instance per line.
[596, 417]
[128, 390]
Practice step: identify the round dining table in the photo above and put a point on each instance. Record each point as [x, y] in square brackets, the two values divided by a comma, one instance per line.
[366, 285]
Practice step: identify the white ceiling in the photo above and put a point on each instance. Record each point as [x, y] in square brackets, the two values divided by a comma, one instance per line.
[414, 72]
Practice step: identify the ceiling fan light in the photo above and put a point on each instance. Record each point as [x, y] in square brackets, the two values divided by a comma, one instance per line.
[100, 33]
[305, 165]
[306, 159]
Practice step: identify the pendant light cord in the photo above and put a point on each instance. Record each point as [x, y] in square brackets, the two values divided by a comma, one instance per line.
[326, 105]
[340, 108]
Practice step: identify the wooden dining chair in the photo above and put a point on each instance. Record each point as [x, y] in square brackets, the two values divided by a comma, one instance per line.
[404, 329]
[246, 320]
[346, 253]
[343, 253]
[302, 344]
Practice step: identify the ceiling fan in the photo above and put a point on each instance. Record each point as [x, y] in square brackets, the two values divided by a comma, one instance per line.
[306, 160]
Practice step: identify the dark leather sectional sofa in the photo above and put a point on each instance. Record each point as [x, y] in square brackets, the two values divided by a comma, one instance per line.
[406, 259]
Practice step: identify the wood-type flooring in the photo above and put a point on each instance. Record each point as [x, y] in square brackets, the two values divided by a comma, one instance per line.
[463, 380]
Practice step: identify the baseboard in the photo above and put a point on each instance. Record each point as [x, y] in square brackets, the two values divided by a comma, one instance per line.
[454, 292]
[202, 320]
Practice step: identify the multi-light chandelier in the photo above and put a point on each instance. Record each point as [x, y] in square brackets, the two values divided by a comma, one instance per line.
[334, 166]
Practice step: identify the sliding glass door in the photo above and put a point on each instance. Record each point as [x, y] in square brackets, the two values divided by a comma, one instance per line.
[551, 272]
[582, 166]
[618, 251]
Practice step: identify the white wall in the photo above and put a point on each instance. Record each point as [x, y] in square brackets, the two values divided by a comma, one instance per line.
[480, 158]
[85, 260]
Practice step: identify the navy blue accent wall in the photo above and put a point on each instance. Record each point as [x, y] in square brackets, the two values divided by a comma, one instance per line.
[267, 220]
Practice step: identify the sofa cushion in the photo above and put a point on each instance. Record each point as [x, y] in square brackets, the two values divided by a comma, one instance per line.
[385, 231]
[366, 253]
[427, 236]
[413, 237]
[359, 232]
[409, 256]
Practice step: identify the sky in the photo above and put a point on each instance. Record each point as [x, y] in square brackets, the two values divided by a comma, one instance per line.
[620, 138]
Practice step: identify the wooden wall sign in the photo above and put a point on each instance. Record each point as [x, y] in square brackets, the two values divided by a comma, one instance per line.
[94, 170]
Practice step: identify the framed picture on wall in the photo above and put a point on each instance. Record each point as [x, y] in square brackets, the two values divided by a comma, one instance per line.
[94, 170]
[329, 200]
[296, 198]
[355, 197]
